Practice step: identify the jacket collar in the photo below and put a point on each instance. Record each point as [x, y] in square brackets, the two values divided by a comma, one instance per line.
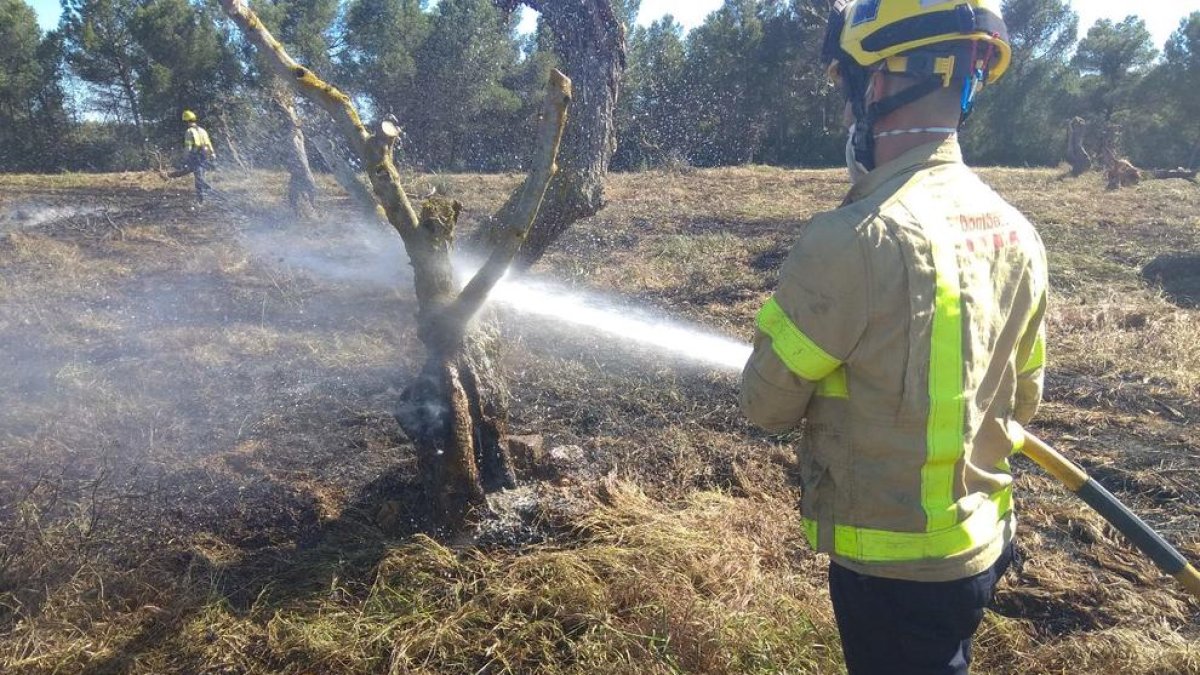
[921, 157]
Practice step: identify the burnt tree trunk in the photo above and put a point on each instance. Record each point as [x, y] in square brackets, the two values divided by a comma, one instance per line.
[589, 41]
[454, 409]
[302, 186]
[1077, 156]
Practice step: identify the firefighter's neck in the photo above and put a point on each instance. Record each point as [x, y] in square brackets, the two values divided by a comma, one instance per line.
[939, 110]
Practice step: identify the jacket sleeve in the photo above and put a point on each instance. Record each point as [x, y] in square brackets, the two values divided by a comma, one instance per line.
[1031, 365]
[809, 328]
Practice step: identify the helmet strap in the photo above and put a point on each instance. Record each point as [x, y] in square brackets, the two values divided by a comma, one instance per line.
[976, 78]
[867, 116]
[857, 81]
[921, 130]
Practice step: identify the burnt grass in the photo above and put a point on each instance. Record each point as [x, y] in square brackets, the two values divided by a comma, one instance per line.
[198, 449]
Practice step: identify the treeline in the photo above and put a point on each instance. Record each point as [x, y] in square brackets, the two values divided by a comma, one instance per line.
[105, 89]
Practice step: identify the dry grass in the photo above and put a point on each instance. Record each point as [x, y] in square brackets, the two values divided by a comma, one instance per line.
[199, 471]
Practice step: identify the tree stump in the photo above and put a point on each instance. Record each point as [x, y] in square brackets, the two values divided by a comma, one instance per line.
[1077, 156]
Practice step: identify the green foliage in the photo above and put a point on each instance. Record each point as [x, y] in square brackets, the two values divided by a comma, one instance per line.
[466, 108]
[31, 99]
[187, 62]
[1019, 120]
[304, 26]
[1110, 59]
[652, 114]
[748, 85]
[1162, 129]
[102, 51]
[379, 61]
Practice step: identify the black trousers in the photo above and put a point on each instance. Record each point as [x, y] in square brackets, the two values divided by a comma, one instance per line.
[893, 627]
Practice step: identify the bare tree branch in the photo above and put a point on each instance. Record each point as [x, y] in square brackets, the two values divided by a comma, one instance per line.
[375, 148]
[454, 409]
[518, 216]
[589, 40]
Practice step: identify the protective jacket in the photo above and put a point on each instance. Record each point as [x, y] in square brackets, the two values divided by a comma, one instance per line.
[908, 330]
[196, 140]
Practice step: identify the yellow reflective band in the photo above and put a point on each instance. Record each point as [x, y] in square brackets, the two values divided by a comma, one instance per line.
[944, 434]
[1037, 358]
[797, 351]
[866, 545]
[943, 66]
[834, 386]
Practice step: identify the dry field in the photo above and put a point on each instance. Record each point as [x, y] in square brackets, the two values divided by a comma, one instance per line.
[200, 471]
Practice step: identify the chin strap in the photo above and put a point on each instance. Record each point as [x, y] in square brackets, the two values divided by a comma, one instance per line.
[924, 130]
[934, 71]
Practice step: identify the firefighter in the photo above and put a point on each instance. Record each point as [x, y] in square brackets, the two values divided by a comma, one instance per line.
[907, 332]
[199, 155]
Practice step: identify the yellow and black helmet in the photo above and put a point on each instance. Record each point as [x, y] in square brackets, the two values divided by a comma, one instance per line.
[881, 32]
[189, 116]
[936, 43]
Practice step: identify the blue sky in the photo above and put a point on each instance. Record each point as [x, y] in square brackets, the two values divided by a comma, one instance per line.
[1162, 16]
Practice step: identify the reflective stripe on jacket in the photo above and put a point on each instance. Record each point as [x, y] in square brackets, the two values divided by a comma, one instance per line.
[196, 138]
[908, 331]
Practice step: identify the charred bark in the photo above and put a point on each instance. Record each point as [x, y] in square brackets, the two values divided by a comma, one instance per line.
[589, 41]
[454, 408]
[1168, 174]
[456, 411]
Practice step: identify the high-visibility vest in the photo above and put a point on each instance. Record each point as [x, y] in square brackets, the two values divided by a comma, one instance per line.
[196, 138]
[908, 331]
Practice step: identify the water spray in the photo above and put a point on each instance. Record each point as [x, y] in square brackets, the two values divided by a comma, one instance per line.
[633, 326]
[630, 325]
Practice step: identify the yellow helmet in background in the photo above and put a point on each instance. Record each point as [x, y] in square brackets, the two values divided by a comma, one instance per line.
[189, 116]
[875, 31]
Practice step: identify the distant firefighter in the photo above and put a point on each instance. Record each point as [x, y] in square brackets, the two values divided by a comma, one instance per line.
[198, 157]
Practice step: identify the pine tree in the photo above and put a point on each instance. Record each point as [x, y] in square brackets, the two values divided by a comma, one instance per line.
[188, 63]
[379, 59]
[720, 79]
[1161, 128]
[102, 51]
[1022, 119]
[465, 109]
[32, 119]
[1112, 58]
[652, 115]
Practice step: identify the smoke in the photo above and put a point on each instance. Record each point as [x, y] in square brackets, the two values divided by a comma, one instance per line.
[25, 215]
[373, 255]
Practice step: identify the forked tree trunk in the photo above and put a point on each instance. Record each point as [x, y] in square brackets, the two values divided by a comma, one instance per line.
[589, 41]
[455, 411]
[450, 410]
